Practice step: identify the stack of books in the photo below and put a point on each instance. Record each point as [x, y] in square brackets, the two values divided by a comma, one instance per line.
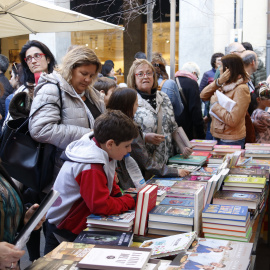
[203, 145]
[260, 154]
[178, 213]
[257, 146]
[244, 183]
[122, 222]
[225, 149]
[191, 160]
[228, 222]
[215, 159]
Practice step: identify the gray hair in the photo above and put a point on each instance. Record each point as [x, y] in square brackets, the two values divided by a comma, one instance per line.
[4, 63]
[249, 58]
[191, 67]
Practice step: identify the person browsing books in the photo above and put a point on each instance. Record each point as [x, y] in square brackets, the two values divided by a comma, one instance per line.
[126, 100]
[86, 181]
[13, 215]
[261, 100]
[155, 112]
[230, 128]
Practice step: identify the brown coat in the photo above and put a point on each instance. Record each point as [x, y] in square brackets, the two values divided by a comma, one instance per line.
[233, 125]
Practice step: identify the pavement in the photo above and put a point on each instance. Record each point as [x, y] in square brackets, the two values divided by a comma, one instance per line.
[25, 259]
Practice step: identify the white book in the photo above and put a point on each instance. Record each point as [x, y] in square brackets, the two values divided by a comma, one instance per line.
[46, 203]
[198, 208]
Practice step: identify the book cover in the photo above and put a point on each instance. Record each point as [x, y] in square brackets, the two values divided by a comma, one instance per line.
[222, 147]
[114, 258]
[227, 232]
[190, 168]
[203, 142]
[189, 185]
[174, 214]
[200, 173]
[194, 160]
[122, 220]
[112, 238]
[170, 245]
[180, 192]
[169, 226]
[250, 199]
[178, 202]
[149, 202]
[208, 169]
[198, 208]
[70, 251]
[248, 171]
[200, 153]
[245, 181]
[197, 178]
[139, 205]
[225, 211]
[161, 182]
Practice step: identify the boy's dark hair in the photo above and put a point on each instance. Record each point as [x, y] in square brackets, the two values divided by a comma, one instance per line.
[109, 62]
[214, 57]
[247, 46]
[123, 99]
[106, 69]
[4, 63]
[104, 83]
[28, 75]
[114, 125]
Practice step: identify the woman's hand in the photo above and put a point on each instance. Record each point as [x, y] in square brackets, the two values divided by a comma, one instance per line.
[154, 138]
[187, 152]
[183, 173]
[30, 213]
[9, 256]
[224, 77]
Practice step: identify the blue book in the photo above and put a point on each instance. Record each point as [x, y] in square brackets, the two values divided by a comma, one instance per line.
[173, 214]
[177, 202]
[233, 212]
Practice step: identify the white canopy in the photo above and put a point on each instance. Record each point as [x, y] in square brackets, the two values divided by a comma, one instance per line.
[21, 17]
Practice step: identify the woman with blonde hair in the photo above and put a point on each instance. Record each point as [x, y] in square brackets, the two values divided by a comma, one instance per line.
[76, 103]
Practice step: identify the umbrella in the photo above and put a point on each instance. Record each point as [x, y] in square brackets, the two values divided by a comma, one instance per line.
[21, 17]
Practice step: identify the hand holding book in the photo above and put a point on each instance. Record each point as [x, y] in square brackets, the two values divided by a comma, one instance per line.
[183, 173]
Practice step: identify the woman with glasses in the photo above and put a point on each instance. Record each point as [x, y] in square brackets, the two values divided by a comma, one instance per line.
[228, 126]
[155, 112]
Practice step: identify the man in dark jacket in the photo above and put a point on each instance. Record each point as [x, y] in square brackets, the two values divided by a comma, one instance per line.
[191, 118]
[5, 82]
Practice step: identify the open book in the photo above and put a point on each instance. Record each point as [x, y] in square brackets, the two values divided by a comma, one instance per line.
[225, 102]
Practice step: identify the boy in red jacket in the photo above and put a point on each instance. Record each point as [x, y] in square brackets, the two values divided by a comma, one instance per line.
[86, 180]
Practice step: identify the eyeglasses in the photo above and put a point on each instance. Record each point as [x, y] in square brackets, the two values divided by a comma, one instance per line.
[37, 57]
[147, 74]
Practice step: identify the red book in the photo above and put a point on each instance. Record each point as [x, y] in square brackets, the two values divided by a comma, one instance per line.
[138, 209]
[149, 202]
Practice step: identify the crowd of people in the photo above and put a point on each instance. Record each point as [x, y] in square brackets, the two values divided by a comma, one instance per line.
[95, 124]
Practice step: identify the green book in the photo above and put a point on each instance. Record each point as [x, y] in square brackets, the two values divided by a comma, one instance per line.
[192, 160]
[244, 181]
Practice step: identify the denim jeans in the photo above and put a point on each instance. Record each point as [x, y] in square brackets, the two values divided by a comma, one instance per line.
[239, 142]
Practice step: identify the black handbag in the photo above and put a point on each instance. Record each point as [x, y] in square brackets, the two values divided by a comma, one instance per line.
[26, 160]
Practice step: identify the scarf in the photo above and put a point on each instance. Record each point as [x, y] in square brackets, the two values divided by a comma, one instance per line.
[231, 86]
[150, 98]
[182, 73]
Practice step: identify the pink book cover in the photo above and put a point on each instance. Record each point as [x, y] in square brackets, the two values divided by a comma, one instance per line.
[227, 147]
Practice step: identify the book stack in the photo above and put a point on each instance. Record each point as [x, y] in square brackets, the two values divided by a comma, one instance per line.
[191, 160]
[215, 159]
[203, 145]
[253, 200]
[214, 254]
[122, 222]
[260, 154]
[178, 213]
[146, 201]
[244, 183]
[257, 146]
[228, 222]
[170, 245]
[225, 149]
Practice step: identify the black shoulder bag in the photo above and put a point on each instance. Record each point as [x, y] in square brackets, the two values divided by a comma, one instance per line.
[26, 160]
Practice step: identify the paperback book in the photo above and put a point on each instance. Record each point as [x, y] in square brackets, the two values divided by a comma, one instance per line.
[114, 258]
[112, 238]
[177, 202]
[245, 181]
[170, 245]
[193, 160]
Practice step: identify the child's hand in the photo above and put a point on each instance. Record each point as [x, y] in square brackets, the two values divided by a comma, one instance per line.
[183, 173]
[154, 138]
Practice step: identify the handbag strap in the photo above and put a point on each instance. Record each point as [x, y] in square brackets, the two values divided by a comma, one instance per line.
[53, 103]
[159, 123]
[181, 90]
[161, 84]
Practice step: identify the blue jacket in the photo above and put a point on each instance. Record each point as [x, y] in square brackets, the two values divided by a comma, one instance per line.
[171, 89]
[206, 76]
